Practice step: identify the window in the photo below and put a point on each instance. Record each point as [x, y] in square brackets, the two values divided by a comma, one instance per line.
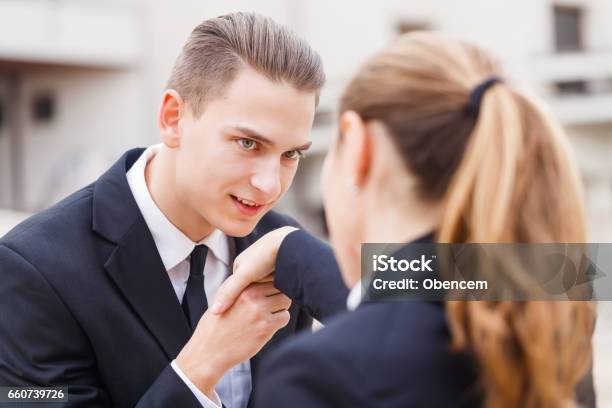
[572, 87]
[43, 107]
[568, 28]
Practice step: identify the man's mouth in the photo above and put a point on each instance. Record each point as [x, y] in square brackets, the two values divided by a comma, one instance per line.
[246, 206]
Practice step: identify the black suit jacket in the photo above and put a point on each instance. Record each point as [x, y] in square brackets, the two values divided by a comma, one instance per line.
[86, 302]
[386, 354]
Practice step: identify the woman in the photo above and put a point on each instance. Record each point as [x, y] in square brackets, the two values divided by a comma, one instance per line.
[433, 145]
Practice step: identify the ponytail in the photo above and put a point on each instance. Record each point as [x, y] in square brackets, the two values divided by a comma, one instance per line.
[516, 184]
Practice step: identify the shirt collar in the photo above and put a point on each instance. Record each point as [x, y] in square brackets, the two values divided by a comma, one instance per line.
[354, 298]
[173, 246]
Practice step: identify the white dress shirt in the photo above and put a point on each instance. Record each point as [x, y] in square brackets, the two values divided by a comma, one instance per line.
[174, 248]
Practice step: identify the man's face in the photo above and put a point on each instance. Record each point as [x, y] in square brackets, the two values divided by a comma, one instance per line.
[237, 159]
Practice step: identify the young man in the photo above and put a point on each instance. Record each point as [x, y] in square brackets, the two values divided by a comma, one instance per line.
[105, 293]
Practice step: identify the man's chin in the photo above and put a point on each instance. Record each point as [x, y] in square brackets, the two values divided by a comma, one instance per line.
[238, 229]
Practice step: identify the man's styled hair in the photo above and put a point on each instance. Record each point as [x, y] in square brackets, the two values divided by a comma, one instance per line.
[218, 48]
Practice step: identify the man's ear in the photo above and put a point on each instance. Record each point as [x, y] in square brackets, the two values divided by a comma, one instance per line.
[357, 142]
[170, 112]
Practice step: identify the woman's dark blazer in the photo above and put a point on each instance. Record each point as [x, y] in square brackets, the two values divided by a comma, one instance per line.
[383, 354]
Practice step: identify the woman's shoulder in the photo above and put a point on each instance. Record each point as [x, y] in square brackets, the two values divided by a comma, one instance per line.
[381, 330]
[385, 331]
[391, 350]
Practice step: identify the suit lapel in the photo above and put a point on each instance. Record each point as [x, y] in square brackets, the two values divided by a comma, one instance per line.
[138, 271]
[135, 265]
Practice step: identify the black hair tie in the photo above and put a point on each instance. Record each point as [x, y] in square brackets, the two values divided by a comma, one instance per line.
[473, 107]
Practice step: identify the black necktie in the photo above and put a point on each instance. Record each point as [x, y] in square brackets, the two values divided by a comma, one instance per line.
[194, 301]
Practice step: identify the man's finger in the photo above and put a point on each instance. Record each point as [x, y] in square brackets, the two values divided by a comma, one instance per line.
[280, 319]
[278, 302]
[228, 292]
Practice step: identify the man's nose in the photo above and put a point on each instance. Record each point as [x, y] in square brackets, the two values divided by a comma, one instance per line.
[267, 179]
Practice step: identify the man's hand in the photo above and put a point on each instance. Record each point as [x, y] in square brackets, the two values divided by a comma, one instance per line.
[221, 341]
[254, 264]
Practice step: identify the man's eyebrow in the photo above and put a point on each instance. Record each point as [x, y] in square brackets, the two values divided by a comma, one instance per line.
[253, 134]
[303, 147]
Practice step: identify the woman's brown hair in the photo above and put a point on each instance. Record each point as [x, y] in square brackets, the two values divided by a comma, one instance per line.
[503, 174]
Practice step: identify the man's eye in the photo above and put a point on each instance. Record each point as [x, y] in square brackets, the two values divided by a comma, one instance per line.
[247, 144]
[293, 154]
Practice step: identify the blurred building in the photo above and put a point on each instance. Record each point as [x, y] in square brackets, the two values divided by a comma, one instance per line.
[81, 80]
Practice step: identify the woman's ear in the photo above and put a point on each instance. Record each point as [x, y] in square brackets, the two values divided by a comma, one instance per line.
[356, 141]
[170, 112]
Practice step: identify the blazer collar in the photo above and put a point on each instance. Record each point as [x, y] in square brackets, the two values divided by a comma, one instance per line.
[135, 265]
[114, 207]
